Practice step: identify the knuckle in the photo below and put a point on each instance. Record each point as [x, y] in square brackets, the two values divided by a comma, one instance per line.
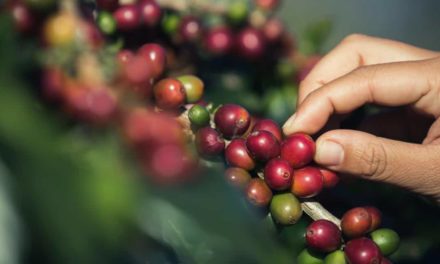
[354, 38]
[372, 160]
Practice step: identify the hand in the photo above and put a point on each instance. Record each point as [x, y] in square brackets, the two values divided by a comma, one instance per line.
[362, 70]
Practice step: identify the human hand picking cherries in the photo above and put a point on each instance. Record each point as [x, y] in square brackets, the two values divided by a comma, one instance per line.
[361, 70]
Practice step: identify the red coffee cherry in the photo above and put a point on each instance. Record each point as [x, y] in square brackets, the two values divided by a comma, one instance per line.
[169, 94]
[323, 236]
[273, 29]
[258, 193]
[298, 149]
[331, 179]
[376, 217]
[190, 29]
[232, 120]
[307, 182]
[362, 251]
[270, 126]
[262, 145]
[134, 70]
[278, 174]
[208, 142]
[169, 164]
[251, 43]
[356, 222]
[24, 20]
[237, 155]
[219, 40]
[237, 177]
[155, 56]
[127, 17]
[151, 12]
[140, 132]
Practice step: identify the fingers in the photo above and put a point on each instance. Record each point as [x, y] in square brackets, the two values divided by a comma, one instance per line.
[391, 84]
[407, 165]
[354, 51]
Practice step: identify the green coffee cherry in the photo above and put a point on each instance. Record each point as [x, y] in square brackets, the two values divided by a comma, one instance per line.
[386, 239]
[238, 11]
[309, 257]
[199, 116]
[170, 23]
[336, 257]
[285, 209]
[194, 87]
[106, 23]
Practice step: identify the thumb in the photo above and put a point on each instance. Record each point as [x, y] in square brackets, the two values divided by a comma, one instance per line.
[407, 165]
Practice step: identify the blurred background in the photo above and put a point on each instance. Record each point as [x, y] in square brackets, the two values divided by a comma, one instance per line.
[72, 193]
[403, 20]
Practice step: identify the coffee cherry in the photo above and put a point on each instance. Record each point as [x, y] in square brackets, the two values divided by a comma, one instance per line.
[336, 257]
[208, 142]
[155, 56]
[97, 105]
[108, 5]
[376, 217]
[169, 94]
[190, 29]
[194, 87]
[106, 23]
[23, 17]
[60, 29]
[330, 178]
[273, 29]
[127, 17]
[237, 177]
[362, 251]
[267, 4]
[278, 174]
[150, 12]
[298, 149]
[199, 116]
[251, 43]
[124, 56]
[307, 182]
[258, 193]
[170, 164]
[135, 70]
[323, 235]
[218, 40]
[285, 209]
[309, 257]
[170, 23]
[387, 240]
[237, 155]
[232, 120]
[140, 132]
[270, 126]
[356, 222]
[262, 145]
[237, 11]
[52, 84]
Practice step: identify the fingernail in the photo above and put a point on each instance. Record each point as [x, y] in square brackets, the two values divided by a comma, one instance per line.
[287, 127]
[329, 153]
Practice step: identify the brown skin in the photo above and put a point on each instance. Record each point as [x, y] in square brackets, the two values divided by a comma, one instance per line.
[361, 70]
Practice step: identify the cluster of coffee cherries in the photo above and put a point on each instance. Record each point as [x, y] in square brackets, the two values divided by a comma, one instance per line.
[240, 28]
[161, 117]
[324, 239]
[252, 146]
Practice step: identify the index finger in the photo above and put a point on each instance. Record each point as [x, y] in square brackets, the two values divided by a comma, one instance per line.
[390, 84]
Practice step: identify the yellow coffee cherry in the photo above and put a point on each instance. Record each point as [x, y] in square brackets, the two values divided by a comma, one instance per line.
[60, 29]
